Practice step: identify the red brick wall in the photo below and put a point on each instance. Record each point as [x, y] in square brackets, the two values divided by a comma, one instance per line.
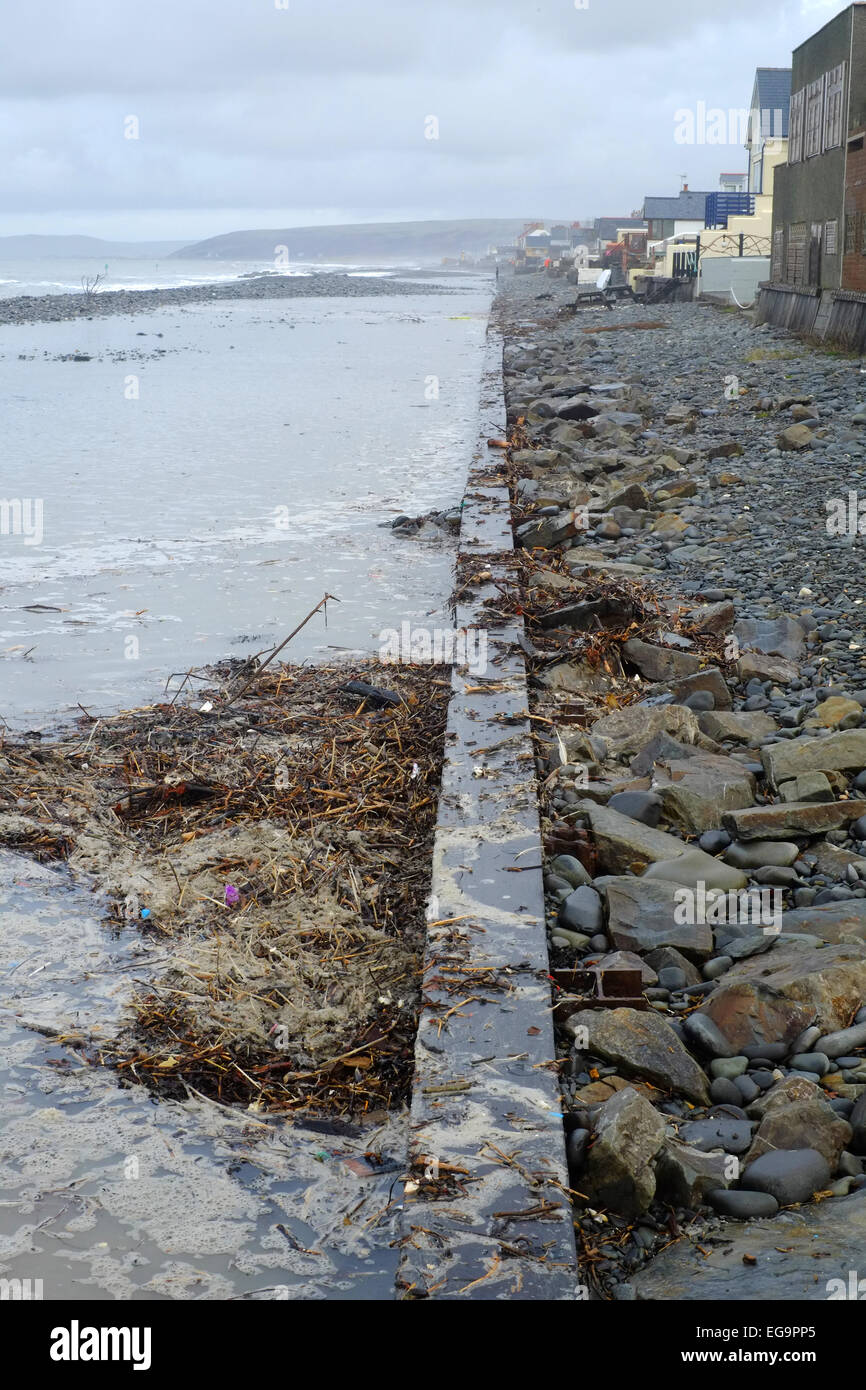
[854, 262]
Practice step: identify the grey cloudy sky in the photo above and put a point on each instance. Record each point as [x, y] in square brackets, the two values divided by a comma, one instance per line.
[254, 115]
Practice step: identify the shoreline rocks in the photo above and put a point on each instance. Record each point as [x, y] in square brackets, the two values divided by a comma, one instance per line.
[57, 308]
[717, 803]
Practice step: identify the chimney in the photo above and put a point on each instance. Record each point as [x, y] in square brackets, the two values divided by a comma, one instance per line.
[685, 188]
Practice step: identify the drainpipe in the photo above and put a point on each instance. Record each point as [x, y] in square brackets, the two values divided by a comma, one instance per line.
[846, 128]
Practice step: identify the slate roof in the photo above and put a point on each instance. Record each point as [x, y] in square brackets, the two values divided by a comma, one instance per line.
[689, 207]
[772, 93]
[606, 227]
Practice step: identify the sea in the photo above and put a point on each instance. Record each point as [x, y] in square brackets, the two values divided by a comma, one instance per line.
[191, 481]
[65, 276]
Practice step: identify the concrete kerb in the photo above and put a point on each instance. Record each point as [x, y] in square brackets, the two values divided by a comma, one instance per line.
[486, 1139]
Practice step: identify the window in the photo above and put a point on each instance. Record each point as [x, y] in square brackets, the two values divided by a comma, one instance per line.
[778, 248]
[795, 127]
[863, 236]
[814, 118]
[834, 83]
[855, 145]
[831, 238]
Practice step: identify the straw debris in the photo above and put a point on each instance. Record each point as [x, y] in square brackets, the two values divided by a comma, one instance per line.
[277, 839]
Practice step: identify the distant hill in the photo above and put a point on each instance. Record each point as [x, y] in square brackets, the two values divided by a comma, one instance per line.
[54, 248]
[376, 242]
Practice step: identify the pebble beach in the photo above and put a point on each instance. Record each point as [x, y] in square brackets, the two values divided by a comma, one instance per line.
[684, 488]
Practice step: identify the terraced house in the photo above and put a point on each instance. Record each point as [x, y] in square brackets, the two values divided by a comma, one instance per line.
[818, 270]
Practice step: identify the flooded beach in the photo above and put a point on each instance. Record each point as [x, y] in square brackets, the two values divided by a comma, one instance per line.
[204, 475]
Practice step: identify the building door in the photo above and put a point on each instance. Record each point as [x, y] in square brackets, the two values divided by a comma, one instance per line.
[797, 258]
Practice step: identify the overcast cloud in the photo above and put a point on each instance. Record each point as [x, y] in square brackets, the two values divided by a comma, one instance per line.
[250, 115]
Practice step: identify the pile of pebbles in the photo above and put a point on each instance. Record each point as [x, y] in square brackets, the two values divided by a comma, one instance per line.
[430, 526]
[54, 308]
[705, 821]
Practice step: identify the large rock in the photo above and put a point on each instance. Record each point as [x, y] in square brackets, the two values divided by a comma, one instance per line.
[740, 1205]
[832, 862]
[795, 437]
[842, 1042]
[812, 786]
[793, 1175]
[792, 1090]
[840, 924]
[684, 1175]
[548, 531]
[841, 752]
[791, 818]
[758, 666]
[748, 1013]
[805, 1124]
[774, 636]
[720, 1132]
[781, 1264]
[624, 844]
[590, 615]
[659, 663]
[660, 749]
[747, 727]
[581, 911]
[759, 854]
[626, 731]
[576, 677]
[668, 957]
[694, 868]
[696, 791]
[710, 679]
[641, 1044]
[619, 1173]
[833, 712]
[713, 617]
[642, 916]
[768, 994]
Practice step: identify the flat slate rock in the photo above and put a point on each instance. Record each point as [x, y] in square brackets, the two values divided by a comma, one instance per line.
[747, 727]
[784, 1251]
[773, 636]
[696, 791]
[841, 752]
[628, 730]
[709, 679]
[755, 665]
[790, 818]
[832, 862]
[641, 917]
[824, 985]
[839, 923]
[625, 845]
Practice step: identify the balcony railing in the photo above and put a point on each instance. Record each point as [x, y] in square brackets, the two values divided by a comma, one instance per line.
[721, 206]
